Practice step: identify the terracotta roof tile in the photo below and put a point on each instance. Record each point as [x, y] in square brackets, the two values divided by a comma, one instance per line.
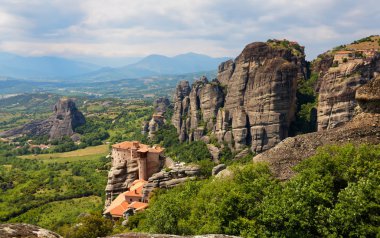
[138, 205]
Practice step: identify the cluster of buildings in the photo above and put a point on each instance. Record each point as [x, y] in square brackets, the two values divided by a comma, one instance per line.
[342, 55]
[124, 155]
[128, 203]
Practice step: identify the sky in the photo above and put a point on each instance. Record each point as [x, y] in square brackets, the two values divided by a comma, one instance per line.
[129, 29]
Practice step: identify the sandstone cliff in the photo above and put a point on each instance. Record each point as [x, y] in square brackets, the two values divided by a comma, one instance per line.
[66, 117]
[168, 179]
[251, 103]
[336, 102]
[25, 230]
[363, 128]
[161, 105]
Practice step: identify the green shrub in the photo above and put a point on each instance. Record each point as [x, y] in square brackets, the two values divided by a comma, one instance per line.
[335, 194]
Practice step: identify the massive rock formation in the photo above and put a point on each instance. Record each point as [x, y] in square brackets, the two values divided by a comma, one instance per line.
[363, 128]
[161, 105]
[336, 102]
[251, 103]
[64, 120]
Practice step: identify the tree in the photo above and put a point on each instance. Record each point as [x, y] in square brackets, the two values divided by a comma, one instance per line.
[90, 226]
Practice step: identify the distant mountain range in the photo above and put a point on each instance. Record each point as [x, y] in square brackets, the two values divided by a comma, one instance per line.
[12, 65]
[60, 68]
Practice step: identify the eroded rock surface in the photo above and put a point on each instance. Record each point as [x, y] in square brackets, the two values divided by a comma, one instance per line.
[251, 103]
[363, 128]
[336, 102]
[66, 117]
[176, 175]
[22, 230]
[161, 105]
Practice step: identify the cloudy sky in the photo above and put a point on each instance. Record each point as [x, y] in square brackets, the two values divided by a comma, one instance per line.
[136, 28]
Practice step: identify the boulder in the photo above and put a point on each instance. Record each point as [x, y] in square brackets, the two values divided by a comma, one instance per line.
[218, 169]
[12, 230]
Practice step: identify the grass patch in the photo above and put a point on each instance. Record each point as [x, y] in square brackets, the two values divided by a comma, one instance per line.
[88, 153]
[54, 214]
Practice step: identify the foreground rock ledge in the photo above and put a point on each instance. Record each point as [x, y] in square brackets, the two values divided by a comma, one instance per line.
[25, 231]
[364, 129]
[145, 235]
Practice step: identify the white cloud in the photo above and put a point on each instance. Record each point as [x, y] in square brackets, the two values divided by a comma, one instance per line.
[140, 27]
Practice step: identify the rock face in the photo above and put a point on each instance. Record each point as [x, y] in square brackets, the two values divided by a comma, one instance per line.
[25, 230]
[120, 177]
[217, 169]
[161, 105]
[368, 96]
[66, 117]
[336, 102]
[167, 179]
[363, 128]
[251, 103]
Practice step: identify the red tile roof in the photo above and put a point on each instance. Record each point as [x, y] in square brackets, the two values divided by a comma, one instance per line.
[139, 146]
[117, 206]
[343, 52]
[120, 204]
[138, 205]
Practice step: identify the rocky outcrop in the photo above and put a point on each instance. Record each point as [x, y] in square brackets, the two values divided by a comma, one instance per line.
[217, 169]
[320, 66]
[214, 151]
[368, 96]
[336, 102]
[120, 177]
[174, 176]
[251, 103]
[66, 117]
[195, 110]
[364, 128]
[181, 104]
[160, 105]
[25, 230]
